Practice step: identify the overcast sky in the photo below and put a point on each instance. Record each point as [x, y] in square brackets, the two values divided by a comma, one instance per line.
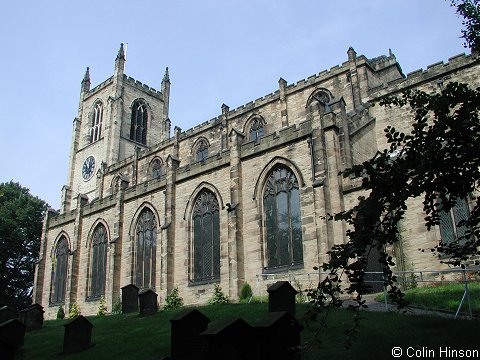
[218, 51]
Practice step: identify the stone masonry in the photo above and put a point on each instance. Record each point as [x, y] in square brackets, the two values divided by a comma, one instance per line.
[315, 127]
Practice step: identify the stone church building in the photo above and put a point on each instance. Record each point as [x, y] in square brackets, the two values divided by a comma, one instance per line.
[238, 196]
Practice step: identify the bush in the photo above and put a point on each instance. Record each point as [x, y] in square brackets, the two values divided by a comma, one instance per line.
[102, 308]
[74, 311]
[61, 313]
[218, 296]
[246, 292]
[173, 300]
[117, 307]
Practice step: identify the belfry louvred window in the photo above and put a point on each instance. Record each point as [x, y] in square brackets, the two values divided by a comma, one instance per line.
[202, 151]
[206, 238]
[96, 124]
[283, 226]
[139, 121]
[146, 245]
[98, 262]
[59, 271]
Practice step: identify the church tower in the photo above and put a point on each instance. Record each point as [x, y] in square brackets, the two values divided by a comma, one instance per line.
[114, 119]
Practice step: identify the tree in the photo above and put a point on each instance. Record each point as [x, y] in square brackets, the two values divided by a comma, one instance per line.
[439, 161]
[21, 216]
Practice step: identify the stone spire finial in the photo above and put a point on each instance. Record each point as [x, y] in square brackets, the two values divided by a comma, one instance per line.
[86, 80]
[166, 77]
[351, 53]
[121, 53]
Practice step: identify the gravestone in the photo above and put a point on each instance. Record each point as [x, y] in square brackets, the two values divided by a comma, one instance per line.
[78, 335]
[278, 337]
[7, 351]
[129, 299]
[186, 342]
[148, 302]
[232, 340]
[281, 297]
[12, 333]
[32, 317]
[7, 313]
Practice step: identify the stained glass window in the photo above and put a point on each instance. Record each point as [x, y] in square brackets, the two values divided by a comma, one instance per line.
[256, 130]
[98, 262]
[281, 200]
[206, 238]
[156, 169]
[146, 239]
[202, 151]
[59, 274]
[138, 126]
[450, 230]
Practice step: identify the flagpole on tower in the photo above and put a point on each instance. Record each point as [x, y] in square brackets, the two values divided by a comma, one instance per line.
[126, 48]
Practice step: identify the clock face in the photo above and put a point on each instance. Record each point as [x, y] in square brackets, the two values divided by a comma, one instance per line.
[88, 168]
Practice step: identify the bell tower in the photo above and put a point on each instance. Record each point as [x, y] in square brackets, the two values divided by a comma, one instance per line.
[114, 118]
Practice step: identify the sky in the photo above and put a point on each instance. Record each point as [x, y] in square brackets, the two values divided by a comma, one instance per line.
[217, 51]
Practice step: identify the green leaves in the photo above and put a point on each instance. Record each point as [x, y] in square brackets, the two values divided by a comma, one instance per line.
[21, 216]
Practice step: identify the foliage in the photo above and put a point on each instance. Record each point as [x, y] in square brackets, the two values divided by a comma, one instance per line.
[117, 307]
[438, 160]
[102, 307]
[470, 11]
[246, 291]
[218, 296]
[74, 311]
[61, 313]
[21, 216]
[173, 300]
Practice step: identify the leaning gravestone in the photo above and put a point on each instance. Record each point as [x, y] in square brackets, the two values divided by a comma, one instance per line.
[78, 335]
[129, 299]
[148, 302]
[278, 337]
[230, 340]
[7, 313]
[186, 342]
[281, 297]
[12, 335]
[32, 317]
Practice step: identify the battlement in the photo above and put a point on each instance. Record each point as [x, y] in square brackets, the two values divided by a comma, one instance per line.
[99, 87]
[142, 86]
[433, 71]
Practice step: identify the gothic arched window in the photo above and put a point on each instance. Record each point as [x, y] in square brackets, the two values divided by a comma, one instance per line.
[206, 238]
[59, 271]
[257, 130]
[156, 169]
[98, 262]
[319, 98]
[96, 124]
[201, 152]
[450, 231]
[146, 245]
[138, 127]
[281, 201]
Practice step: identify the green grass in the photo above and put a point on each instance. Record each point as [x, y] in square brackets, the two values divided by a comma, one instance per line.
[133, 337]
[443, 297]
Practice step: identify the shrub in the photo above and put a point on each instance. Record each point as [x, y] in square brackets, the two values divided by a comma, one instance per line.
[61, 313]
[246, 291]
[102, 308]
[74, 311]
[117, 307]
[218, 296]
[173, 300]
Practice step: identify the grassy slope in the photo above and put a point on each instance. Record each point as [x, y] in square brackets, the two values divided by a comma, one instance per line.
[443, 297]
[132, 337]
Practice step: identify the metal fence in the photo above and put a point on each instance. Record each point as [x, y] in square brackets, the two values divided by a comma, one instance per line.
[405, 279]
